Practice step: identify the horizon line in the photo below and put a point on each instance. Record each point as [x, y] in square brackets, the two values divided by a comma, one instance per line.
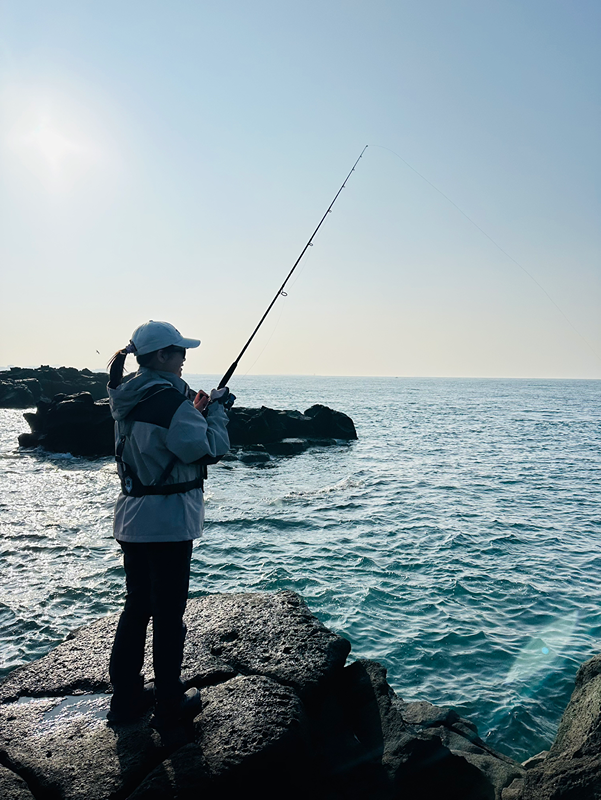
[321, 375]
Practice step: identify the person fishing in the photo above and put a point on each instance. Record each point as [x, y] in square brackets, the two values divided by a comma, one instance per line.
[163, 445]
[165, 435]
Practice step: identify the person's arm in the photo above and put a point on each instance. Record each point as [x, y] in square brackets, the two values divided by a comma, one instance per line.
[192, 436]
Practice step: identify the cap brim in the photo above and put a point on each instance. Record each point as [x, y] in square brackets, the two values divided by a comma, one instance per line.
[188, 343]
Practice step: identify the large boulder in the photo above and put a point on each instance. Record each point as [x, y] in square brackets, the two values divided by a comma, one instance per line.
[71, 424]
[23, 388]
[228, 634]
[78, 425]
[282, 716]
[266, 426]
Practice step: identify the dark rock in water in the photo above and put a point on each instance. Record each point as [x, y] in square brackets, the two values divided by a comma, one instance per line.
[254, 454]
[287, 447]
[78, 425]
[266, 426]
[328, 423]
[282, 717]
[71, 424]
[19, 393]
[24, 388]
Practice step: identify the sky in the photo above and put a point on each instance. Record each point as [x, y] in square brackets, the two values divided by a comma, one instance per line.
[169, 160]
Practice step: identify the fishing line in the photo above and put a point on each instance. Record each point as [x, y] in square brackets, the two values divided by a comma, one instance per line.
[268, 340]
[280, 292]
[298, 274]
[498, 246]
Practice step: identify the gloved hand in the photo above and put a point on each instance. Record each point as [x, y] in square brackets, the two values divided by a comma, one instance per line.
[218, 395]
[223, 396]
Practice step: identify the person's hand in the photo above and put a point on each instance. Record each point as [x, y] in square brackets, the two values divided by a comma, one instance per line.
[201, 401]
[219, 395]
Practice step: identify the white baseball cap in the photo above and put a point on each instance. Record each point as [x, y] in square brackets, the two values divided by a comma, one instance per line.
[152, 336]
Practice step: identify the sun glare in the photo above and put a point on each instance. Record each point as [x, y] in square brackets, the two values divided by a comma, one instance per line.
[52, 142]
[53, 146]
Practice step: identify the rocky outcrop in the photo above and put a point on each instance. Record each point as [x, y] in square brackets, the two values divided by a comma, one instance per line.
[78, 425]
[24, 388]
[71, 424]
[266, 426]
[282, 716]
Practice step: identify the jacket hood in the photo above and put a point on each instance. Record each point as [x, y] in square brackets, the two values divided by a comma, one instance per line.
[128, 394]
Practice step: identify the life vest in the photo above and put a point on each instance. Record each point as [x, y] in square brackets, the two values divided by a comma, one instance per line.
[131, 485]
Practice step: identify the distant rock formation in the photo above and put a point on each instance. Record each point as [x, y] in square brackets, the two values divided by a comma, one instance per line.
[78, 425]
[282, 717]
[24, 388]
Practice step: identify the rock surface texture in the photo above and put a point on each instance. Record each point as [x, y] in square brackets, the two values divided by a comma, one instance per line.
[282, 717]
[77, 424]
[23, 388]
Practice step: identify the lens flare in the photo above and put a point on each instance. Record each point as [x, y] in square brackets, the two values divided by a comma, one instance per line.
[540, 653]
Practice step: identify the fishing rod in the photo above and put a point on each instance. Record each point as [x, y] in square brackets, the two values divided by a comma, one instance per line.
[280, 292]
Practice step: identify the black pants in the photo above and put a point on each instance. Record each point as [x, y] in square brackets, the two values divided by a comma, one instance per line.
[157, 575]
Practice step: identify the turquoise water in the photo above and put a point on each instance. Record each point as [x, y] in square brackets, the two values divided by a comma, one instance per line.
[457, 541]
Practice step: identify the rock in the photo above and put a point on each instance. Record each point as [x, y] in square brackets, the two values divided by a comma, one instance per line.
[19, 393]
[254, 731]
[328, 423]
[274, 635]
[287, 447]
[77, 666]
[535, 761]
[412, 737]
[182, 776]
[232, 634]
[254, 454]
[266, 426]
[71, 424]
[12, 786]
[78, 425]
[66, 750]
[461, 738]
[514, 791]
[572, 767]
[23, 388]
[282, 716]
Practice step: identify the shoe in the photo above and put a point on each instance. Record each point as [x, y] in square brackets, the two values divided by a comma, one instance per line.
[122, 713]
[170, 714]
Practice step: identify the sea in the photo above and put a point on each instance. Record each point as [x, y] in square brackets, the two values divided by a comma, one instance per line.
[457, 541]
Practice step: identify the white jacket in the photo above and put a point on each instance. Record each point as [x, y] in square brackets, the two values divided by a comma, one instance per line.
[154, 411]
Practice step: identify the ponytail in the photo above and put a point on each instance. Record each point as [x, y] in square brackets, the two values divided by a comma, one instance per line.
[117, 363]
[116, 366]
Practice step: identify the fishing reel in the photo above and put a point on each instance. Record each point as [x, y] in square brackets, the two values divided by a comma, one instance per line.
[229, 401]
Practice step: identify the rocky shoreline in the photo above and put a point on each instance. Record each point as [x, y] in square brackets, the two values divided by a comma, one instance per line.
[283, 716]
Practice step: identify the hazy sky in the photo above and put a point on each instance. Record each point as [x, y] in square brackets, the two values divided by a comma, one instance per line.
[169, 159]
